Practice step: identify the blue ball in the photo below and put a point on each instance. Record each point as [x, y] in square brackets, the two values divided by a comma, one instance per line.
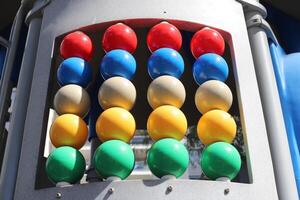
[118, 63]
[210, 66]
[165, 61]
[74, 71]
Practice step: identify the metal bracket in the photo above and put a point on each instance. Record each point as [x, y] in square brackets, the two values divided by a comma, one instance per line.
[258, 21]
[4, 42]
[37, 10]
[253, 5]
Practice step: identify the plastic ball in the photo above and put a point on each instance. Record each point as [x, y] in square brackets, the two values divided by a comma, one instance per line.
[167, 122]
[72, 99]
[65, 164]
[164, 35]
[212, 95]
[76, 44]
[118, 63]
[215, 126]
[210, 67]
[166, 90]
[68, 130]
[117, 92]
[220, 159]
[207, 40]
[119, 36]
[74, 71]
[168, 157]
[115, 124]
[165, 61]
[114, 158]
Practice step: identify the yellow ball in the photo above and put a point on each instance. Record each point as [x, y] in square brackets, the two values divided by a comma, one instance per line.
[166, 90]
[212, 95]
[72, 99]
[167, 122]
[115, 124]
[117, 92]
[68, 130]
[216, 125]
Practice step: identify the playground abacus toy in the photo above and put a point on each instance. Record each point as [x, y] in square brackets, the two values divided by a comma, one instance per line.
[116, 126]
[166, 94]
[72, 102]
[213, 98]
[141, 101]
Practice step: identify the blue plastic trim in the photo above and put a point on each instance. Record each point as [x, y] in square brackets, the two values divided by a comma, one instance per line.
[287, 71]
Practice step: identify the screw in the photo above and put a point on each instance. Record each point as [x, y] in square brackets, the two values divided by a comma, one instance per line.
[226, 191]
[165, 12]
[111, 190]
[169, 189]
[58, 195]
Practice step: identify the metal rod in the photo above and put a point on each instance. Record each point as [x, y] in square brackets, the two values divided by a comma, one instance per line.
[8, 65]
[284, 175]
[15, 136]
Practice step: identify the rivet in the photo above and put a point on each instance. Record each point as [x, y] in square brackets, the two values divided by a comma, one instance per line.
[111, 190]
[169, 189]
[58, 195]
[226, 191]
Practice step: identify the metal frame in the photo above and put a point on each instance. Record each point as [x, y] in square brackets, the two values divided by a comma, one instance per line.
[226, 15]
[259, 30]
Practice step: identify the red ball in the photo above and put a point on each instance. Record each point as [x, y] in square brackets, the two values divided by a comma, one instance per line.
[163, 35]
[119, 36]
[207, 40]
[76, 44]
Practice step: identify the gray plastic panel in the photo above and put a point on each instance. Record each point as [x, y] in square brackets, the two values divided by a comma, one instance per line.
[62, 16]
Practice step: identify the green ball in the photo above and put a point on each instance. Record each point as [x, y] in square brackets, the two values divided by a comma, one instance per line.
[65, 164]
[168, 157]
[220, 159]
[114, 158]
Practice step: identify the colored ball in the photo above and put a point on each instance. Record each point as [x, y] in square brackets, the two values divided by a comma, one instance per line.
[115, 124]
[72, 99]
[210, 67]
[220, 159]
[119, 36]
[207, 40]
[168, 157]
[76, 44]
[117, 92]
[68, 130]
[215, 126]
[118, 63]
[114, 158]
[74, 71]
[165, 61]
[212, 95]
[167, 122]
[65, 164]
[166, 90]
[164, 35]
